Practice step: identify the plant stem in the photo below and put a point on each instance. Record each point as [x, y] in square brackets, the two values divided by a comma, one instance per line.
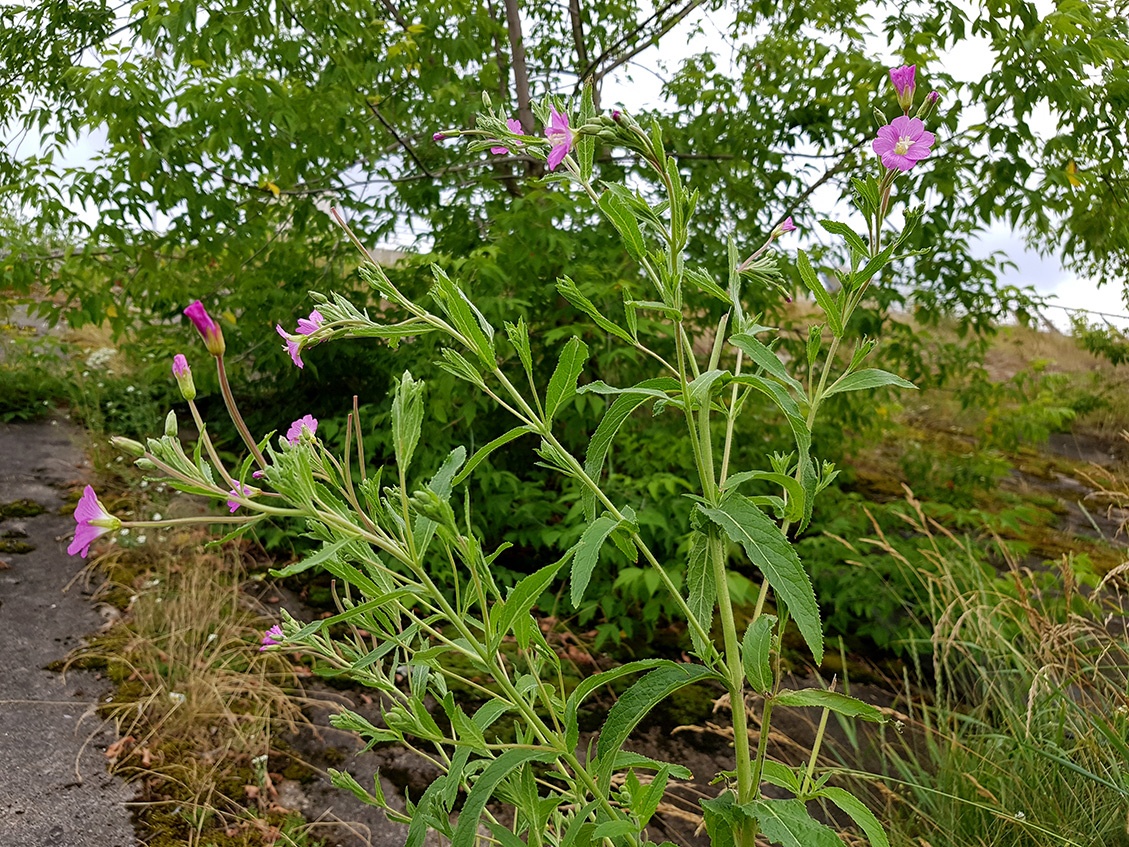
[233, 411]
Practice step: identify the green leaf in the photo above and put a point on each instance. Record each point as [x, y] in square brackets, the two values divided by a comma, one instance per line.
[522, 598]
[482, 452]
[614, 829]
[859, 813]
[562, 384]
[787, 822]
[586, 553]
[465, 316]
[873, 266]
[755, 652]
[519, 338]
[325, 554]
[627, 759]
[853, 239]
[780, 775]
[796, 494]
[822, 295]
[701, 387]
[624, 221]
[833, 700]
[587, 686]
[722, 817]
[600, 443]
[867, 378]
[767, 359]
[770, 551]
[659, 387]
[466, 830]
[702, 586]
[634, 704]
[573, 295]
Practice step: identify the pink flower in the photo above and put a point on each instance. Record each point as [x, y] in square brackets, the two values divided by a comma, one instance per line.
[179, 366]
[92, 520]
[246, 491]
[272, 637]
[514, 126]
[785, 226]
[560, 134]
[209, 329]
[904, 84]
[932, 97]
[438, 136]
[306, 326]
[308, 423]
[903, 143]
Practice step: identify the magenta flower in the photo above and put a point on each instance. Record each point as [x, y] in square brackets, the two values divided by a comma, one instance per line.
[438, 136]
[306, 326]
[308, 423]
[92, 520]
[785, 226]
[904, 84]
[514, 126]
[560, 134]
[903, 143]
[246, 491]
[272, 637]
[932, 97]
[209, 329]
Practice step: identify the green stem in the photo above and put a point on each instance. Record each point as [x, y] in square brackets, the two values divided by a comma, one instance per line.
[233, 411]
[735, 670]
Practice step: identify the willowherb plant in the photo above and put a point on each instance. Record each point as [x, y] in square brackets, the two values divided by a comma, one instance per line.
[381, 530]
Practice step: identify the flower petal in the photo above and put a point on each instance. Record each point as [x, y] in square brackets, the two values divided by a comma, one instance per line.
[901, 125]
[88, 507]
[556, 156]
[917, 152]
[882, 145]
[914, 127]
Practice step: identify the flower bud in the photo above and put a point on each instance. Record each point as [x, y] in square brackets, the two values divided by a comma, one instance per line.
[183, 375]
[784, 226]
[208, 329]
[903, 80]
[128, 445]
[170, 425]
[927, 105]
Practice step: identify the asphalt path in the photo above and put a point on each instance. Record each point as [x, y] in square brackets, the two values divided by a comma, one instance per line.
[54, 788]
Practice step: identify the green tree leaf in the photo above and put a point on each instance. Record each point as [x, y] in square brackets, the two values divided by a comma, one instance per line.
[587, 552]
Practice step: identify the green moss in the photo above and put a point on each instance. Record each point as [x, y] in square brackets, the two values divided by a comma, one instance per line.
[21, 509]
[12, 545]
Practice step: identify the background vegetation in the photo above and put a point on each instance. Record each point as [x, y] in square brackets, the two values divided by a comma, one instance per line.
[223, 131]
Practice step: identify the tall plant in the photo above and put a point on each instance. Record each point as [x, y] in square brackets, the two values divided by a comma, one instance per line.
[383, 531]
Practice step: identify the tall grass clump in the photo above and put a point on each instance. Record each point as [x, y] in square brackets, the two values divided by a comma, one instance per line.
[1016, 734]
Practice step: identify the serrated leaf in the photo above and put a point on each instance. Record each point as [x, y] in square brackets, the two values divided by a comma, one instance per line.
[822, 295]
[702, 586]
[627, 759]
[770, 551]
[842, 704]
[407, 418]
[573, 295]
[755, 652]
[853, 239]
[325, 554]
[867, 378]
[624, 221]
[562, 384]
[634, 704]
[701, 387]
[787, 822]
[466, 830]
[586, 553]
[522, 598]
[859, 813]
[873, 265]
[519, 337]
[590, 684]
[482, 452]
[765, 358]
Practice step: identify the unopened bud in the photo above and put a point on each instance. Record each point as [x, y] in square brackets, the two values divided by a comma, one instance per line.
[183, 375]
[170, 425]
[146, 464]
[128, 445]
[927, 105]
